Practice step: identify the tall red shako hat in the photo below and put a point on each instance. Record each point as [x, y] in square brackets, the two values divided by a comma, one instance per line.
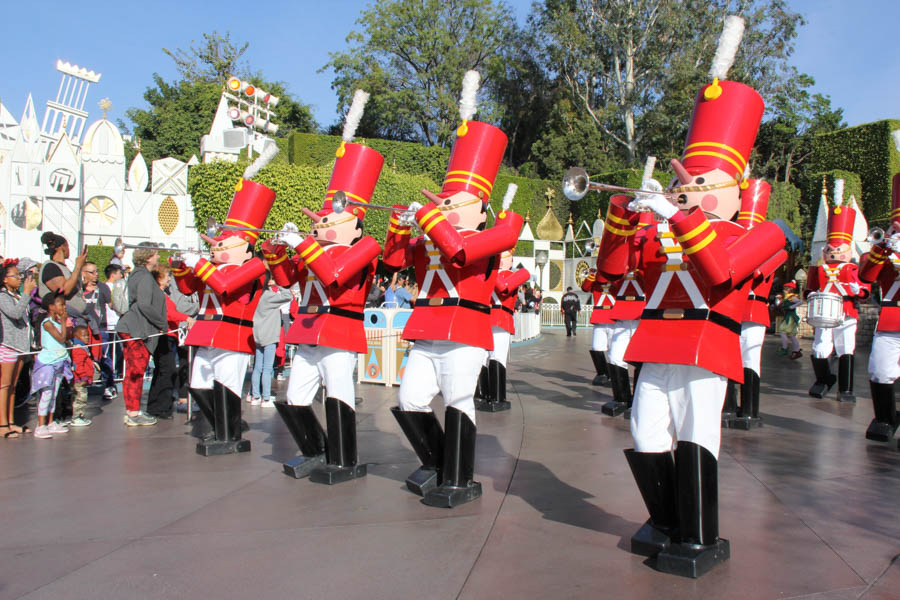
[477, 151]
[252, 201]
[895, 202]
[754, 203]
[840, 218]
[356, 167]
[726, 115]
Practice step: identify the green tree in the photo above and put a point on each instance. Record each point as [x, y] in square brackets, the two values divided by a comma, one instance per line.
[213, 61]
[411, 56]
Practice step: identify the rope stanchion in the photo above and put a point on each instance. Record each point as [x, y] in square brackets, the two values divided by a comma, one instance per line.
[146, 337]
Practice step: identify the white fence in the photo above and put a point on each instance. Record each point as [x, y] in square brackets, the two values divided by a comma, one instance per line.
[552, 316]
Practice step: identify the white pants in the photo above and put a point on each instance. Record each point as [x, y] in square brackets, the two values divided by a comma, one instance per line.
[884, 361]
[752, 337]
[315, 364]
[618, 342]
[441, 366]
[842, 339]
[500, 353]
[225, 366]
[602, 335]
[675, 403]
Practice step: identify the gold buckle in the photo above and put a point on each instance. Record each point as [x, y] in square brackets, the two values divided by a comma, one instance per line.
[311, 310]
[673, 313]
[435, 301]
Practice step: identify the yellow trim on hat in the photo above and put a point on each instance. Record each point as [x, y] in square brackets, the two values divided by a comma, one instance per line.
[331, 193]
[719, 155]
[486, 181]
[468, 182]
[719, 145]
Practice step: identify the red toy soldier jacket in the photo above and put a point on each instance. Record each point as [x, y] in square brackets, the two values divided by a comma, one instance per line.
[456, 272]
[697, 274]
[881, 265]
[604, 297]
[757, 310]
[503, 299]
[335, 281]
[228, 298]
[836, 279]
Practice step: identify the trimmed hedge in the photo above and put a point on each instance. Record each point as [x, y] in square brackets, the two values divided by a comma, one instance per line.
[786, 203]
[868, 151]
[211, 187]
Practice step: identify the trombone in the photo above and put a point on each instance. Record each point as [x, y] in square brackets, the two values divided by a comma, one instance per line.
[340, 201]
[213, 227]
[577, 183]
[120, 246]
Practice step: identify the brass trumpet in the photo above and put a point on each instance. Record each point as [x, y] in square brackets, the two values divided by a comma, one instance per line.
[876, 235]
[120, 246]
[340, 201]
[577, 183]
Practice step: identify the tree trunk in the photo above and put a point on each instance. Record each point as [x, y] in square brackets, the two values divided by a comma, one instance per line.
[631, 143]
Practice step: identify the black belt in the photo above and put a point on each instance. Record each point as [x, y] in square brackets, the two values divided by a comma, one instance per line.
[225, 319]
[470, 304]
[335, 310]
[631, 298]
[501, 307]
[603, 307]
[889, 303]
[691, 314]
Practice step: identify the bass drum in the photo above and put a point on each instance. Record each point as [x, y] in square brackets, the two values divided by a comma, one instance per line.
[825, 310]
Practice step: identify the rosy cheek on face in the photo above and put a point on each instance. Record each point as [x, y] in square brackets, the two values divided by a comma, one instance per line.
[709, 203]
[330, 235]
[453, 218]
[223, 257]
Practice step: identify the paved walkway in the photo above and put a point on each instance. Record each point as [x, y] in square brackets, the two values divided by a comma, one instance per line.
[809, 505]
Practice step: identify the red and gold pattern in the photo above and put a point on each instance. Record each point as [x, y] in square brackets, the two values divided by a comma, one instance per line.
[754, 203]
[507, 288]
[249, 208]
[840, 225]
[882, 266]
[474, 161]
[836, 279]
[355, 173]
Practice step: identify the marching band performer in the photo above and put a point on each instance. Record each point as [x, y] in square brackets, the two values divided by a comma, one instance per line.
[503, 302]
[229, 284]
[604, 298]
[881, 265]
[456, 268]
[336, 265]
[837, 276]
[697, 269]
[754, 205]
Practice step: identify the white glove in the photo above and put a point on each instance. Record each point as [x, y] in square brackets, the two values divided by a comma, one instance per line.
[655, 202]
[409, 215]
[291, 239]
[854, 288]
[191, 259]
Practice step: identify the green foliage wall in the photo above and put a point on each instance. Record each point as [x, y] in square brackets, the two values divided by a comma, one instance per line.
[866, 150]
[212, 187]
[405, 157]
[786, 204]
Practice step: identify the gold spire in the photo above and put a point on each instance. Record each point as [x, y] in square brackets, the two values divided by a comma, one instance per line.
[105, 105]
[549, 227]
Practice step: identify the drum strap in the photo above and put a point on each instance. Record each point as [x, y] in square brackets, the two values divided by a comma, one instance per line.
[834, 285]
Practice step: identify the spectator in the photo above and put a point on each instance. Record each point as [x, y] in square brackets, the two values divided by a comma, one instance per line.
[376, 293]
[145, 318]
[267, 331]
[118, 258]
[786, 308]
[189, 306]
[403, 294]
[55, 276]
[390, 294]
[161, 397]
[537, 301]
[97, 298]
[15, 340]
[51, 364]
[570, 305]
[83, 368]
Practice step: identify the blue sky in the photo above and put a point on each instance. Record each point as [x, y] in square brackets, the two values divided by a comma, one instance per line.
[848, 46]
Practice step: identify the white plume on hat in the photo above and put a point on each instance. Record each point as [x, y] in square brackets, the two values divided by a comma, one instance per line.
[838, 192]
[511, 190]
[354, 115]
[649, 165]
[729, 41]
[262, 160]
[467, 103]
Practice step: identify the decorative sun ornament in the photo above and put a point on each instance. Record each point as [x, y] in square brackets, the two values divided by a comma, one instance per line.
[582, 270]
[103, 210]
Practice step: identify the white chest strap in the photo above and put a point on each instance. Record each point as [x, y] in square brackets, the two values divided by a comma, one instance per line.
[313, 283]
[833, 285]
[605, 296]
[209, 296]
[674, 267]
[889, 295]
[630, 281]
[435, 266]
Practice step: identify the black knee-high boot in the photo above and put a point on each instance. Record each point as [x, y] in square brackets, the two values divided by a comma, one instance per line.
[824, 378]
[483, 389]
[601, 367]
[729, 407]
[634, 383]
[204, 400]
[423, 431]
[340, 449]
[845, 378]
[497, 378]
[457, 485]
[884, 425]
[654, 473]
[227, 424]
[699, 547]
[621, 388]
[748, 416]
[304, 427]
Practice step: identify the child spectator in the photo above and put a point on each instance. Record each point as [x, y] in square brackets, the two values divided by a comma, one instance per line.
[266, 333]
[51, 364]
[83, 366]
[787, 308]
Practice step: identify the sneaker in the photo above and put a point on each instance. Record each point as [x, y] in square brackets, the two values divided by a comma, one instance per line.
[796, 354]
[79, 421]
[255, 401]
[57, 427]
[110, 392]
[270, 403]
[139, 420]
[279, 377]
[42, 432]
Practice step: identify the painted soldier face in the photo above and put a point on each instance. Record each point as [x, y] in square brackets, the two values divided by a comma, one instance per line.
[464, 210]
[232, 250]
[715, 192]
[337, 228]
[839, 253]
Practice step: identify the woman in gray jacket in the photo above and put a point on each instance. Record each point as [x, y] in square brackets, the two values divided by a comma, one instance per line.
[146, 316]
[14, 330]
[266, 333]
